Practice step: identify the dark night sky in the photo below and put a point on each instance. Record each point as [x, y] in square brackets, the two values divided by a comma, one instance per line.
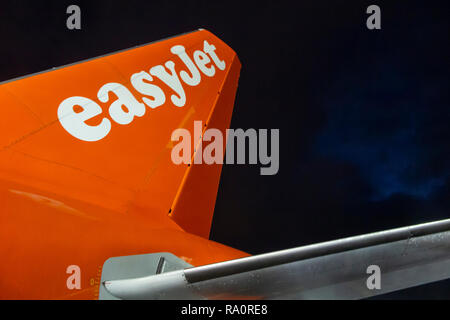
[363, 115]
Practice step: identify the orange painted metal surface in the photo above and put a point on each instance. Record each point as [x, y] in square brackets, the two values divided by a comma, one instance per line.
[196, 199]
[65, 201]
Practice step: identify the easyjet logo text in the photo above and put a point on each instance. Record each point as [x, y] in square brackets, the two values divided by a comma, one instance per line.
[73, 112]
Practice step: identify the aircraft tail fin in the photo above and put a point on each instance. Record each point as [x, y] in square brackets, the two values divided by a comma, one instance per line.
[100, 131]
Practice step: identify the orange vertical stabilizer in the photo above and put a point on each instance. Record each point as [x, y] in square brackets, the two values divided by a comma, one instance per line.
[85, 163]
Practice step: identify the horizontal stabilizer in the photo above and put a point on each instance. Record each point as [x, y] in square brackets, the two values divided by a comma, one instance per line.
[340, 269]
